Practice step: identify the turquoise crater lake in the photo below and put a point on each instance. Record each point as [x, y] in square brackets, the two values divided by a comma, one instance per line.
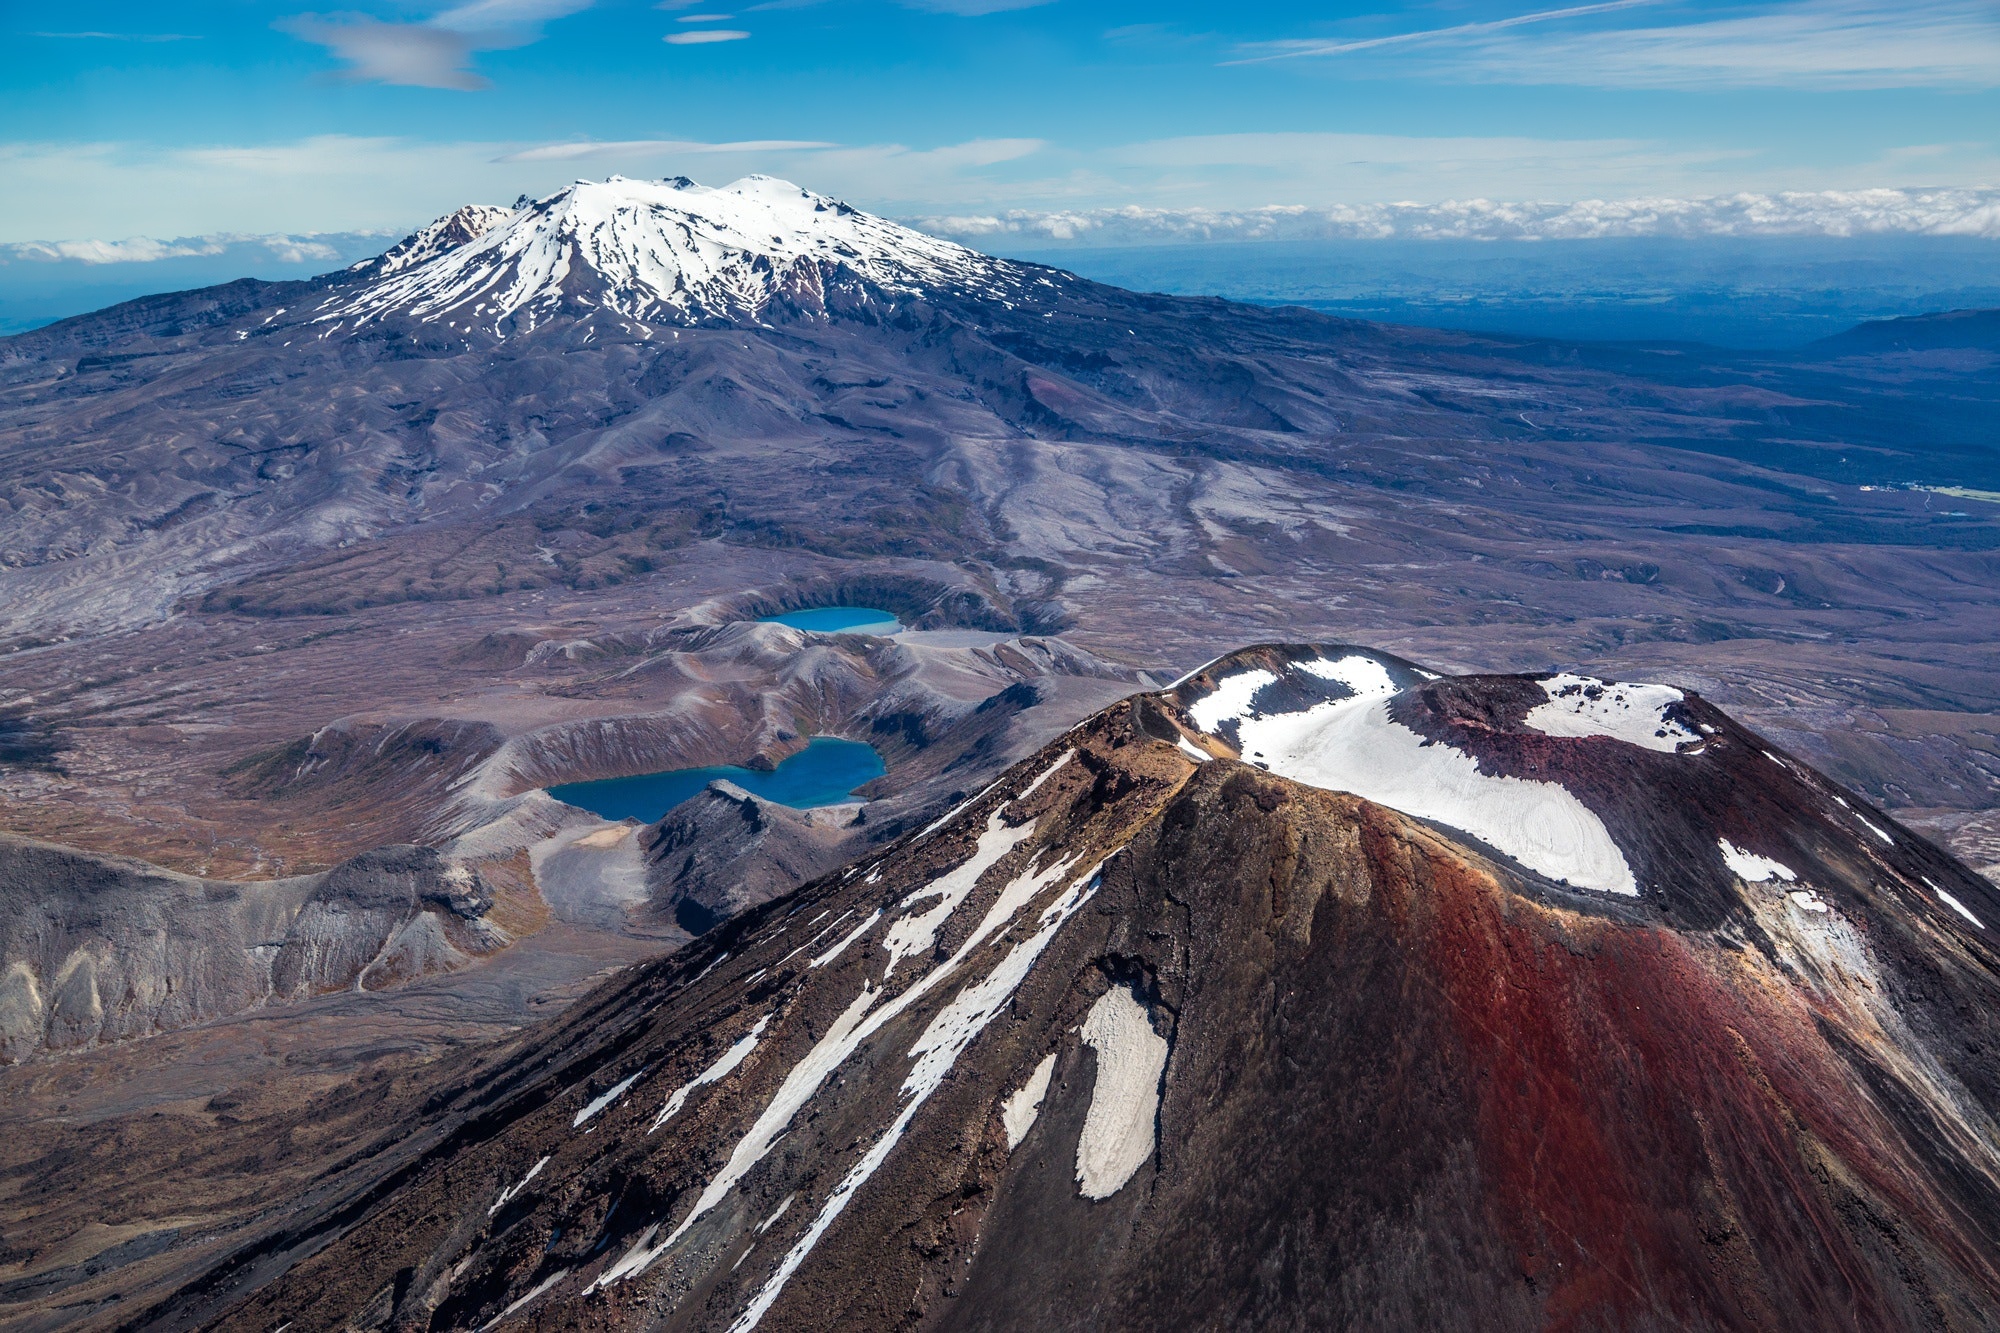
[838, 619]
[826, 772]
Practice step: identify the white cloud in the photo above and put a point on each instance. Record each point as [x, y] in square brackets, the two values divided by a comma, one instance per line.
[340, 183]
[705, 36]
[146, 250]
[409, 55]
[436, 53]
[630, 149]
[1837, 213]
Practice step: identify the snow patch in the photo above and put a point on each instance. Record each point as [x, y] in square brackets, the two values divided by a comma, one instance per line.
[1118, 1132]
[1362, 675]
[1750, 867]
[1191, 750]
[533, 1292]
[1019, 1111]
[1586, 706]
[917, 933]
[1230, 700]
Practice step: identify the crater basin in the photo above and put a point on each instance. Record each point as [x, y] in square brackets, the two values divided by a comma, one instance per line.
[826, 772]
[839, 619]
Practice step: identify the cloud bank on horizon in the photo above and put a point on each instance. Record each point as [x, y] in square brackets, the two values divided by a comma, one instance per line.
[1024, 118]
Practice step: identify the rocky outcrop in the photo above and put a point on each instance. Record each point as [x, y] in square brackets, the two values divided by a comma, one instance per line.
[727, 850]
[1146, 1035]
[97, 949]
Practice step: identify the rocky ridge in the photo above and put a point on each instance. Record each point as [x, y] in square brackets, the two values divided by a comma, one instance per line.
[97, 949]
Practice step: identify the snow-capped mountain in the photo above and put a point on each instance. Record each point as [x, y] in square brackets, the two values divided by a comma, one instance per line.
[1144, 1037]
[659, 252]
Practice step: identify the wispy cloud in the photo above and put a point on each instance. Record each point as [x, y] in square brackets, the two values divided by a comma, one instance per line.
[973, 8]
[705, 37]
[1808, 44]
[119, 36]
[1819, 44]
[1295, 48]
[654, 148]
[436, 53]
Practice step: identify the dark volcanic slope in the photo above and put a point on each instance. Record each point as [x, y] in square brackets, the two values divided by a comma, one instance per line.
[1147, 1036]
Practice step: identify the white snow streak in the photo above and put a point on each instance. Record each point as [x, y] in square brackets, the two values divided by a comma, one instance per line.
[537, 1290]
[722, 1067]
[847, 939]
[947, 1037]
[1192, 751]
[1954, 904]
[512, 1191]
[1880, 833]
[603, 1099]
[917, 933]
[1118, 1133]
[860, 1021]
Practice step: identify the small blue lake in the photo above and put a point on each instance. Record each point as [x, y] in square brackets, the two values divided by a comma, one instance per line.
[834, 619]
[826, 772]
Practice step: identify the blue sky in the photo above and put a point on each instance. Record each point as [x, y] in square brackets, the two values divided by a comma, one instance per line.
[120, 119]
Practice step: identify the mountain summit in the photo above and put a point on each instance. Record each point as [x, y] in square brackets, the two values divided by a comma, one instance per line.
[1497, 1002]
[658, 252]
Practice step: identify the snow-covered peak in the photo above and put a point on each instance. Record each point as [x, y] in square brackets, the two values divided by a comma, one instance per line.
[661, 252]
[446, 234]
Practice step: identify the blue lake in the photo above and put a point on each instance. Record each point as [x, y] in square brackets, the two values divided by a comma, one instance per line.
[824, 773]
[834, 619]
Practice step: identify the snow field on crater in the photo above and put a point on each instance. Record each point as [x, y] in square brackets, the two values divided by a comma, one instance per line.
[1118, 1134]
[1353, 745]
[1584, 706]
